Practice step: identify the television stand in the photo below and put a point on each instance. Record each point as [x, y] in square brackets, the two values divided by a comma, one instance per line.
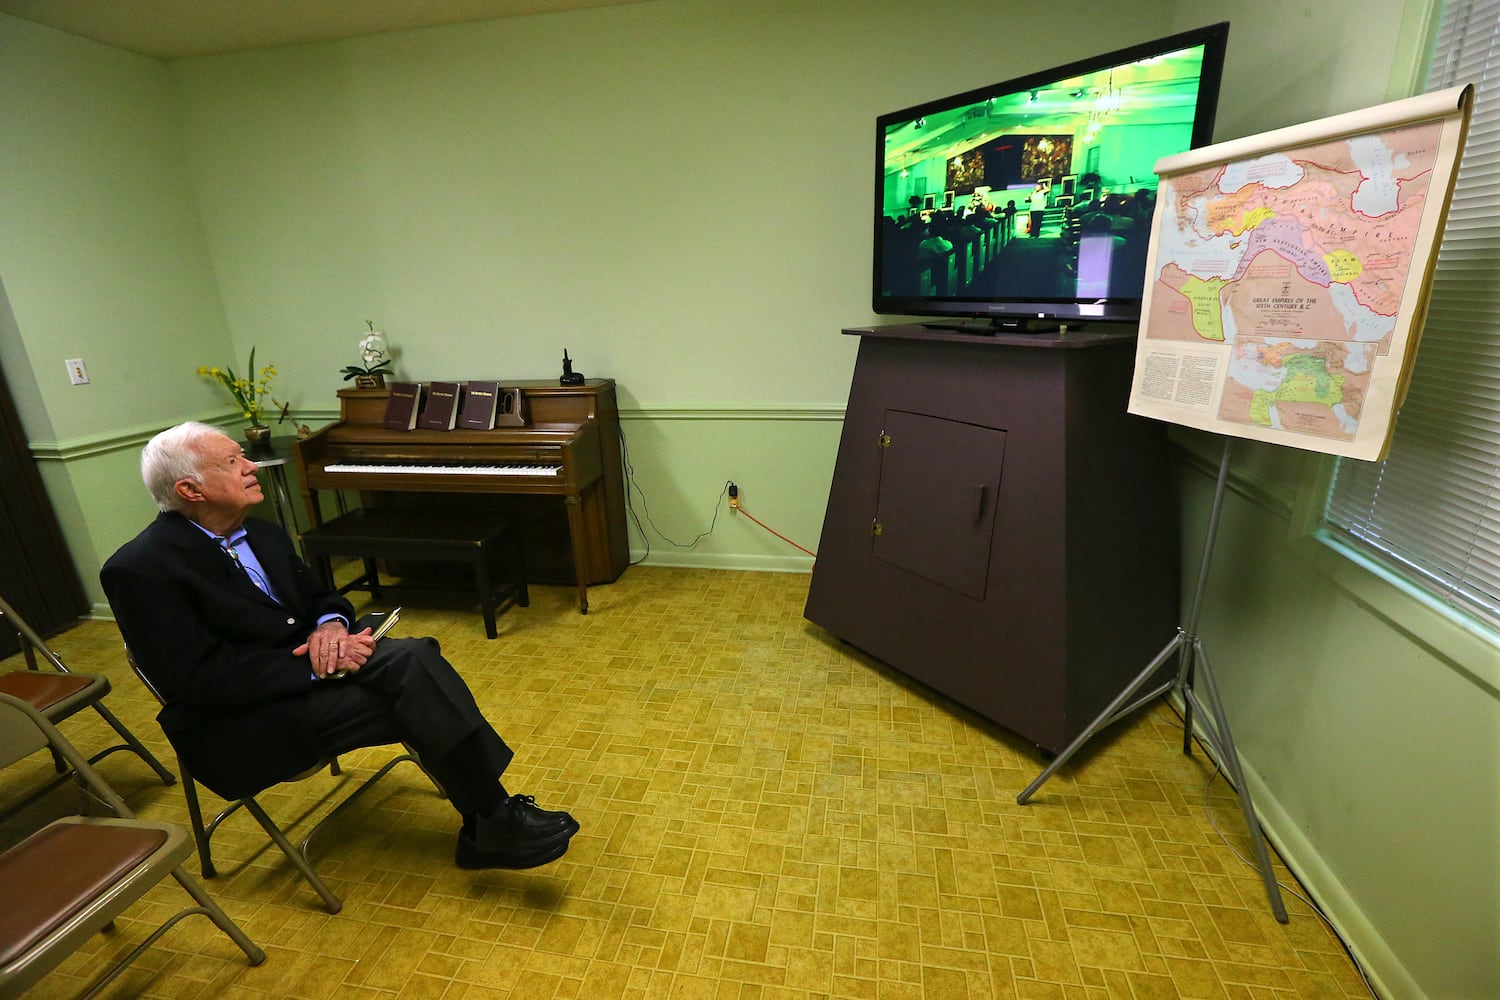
[998, 526]
[1005, 324]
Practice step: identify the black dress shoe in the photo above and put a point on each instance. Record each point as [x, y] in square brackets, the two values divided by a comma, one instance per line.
[516, 835]
[521, 814]
[470, 855]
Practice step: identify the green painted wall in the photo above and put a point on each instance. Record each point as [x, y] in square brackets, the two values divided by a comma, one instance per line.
[678, 193]
[1371, 728]
[102, 256]
[1369, 721]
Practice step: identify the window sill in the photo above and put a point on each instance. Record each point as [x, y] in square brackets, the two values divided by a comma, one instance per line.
[1468, 645]
[1452, 635]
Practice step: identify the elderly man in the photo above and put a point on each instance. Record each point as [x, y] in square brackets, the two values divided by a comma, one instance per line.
[263, 674]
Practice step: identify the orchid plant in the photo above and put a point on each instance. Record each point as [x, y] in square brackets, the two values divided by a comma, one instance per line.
[373, 351]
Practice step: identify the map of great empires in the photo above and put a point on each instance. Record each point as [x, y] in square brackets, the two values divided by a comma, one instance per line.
[1296, 263]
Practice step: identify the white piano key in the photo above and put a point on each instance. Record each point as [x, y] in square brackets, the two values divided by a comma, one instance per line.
[444, 470]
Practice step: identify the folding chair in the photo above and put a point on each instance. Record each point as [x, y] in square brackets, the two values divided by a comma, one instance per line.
[73, 877]
[296, 854]
[59, 693]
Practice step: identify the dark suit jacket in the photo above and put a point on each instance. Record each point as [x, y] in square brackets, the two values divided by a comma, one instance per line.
[219, 651]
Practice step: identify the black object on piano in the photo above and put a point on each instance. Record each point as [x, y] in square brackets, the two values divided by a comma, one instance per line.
[569, 376]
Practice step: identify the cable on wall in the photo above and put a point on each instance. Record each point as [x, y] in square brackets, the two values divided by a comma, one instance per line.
[632, 487]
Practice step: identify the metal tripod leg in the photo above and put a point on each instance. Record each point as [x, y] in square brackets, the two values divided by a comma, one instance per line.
[1192, 668]
[1214, 723]
[1113, 712]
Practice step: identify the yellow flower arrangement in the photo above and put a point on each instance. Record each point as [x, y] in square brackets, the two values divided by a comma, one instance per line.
[250, 393]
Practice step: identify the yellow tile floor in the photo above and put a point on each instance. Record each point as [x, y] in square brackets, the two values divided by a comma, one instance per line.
[767, 815]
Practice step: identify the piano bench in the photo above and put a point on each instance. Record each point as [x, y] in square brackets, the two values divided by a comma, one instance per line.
[423, 536]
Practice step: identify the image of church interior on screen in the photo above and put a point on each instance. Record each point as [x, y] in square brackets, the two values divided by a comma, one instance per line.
[1039, 193]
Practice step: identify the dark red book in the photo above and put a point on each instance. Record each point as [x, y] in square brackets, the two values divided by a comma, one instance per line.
[478, 411]
[441, 411]
[401, 405]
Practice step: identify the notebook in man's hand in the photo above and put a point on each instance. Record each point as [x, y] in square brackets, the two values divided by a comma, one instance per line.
[384, 625]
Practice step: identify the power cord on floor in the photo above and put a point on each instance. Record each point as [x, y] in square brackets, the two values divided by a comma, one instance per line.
[741, 508]
[1314, 907]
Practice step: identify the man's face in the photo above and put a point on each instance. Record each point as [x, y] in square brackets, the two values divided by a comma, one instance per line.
[229, 487]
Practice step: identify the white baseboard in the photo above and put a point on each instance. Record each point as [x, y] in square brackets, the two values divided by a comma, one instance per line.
[1385, 973]
[726, 561]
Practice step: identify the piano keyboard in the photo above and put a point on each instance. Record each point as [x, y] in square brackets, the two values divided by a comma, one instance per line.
[421, 469]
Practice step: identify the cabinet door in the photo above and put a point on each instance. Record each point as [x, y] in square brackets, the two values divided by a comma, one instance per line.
[935, 510]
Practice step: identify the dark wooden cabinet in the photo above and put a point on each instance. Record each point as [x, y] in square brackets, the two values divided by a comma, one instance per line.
[999, 527]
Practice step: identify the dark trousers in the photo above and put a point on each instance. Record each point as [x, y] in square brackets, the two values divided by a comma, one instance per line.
[408, 693]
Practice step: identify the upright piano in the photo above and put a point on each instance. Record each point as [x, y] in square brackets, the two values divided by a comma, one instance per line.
[560, 475]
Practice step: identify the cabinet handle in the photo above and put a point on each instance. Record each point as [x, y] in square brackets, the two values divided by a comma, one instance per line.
[979, 491]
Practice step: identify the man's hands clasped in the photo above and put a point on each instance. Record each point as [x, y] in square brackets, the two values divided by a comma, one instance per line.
[333, 652]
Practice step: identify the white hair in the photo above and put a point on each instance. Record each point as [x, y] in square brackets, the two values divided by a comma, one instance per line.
[171, 456]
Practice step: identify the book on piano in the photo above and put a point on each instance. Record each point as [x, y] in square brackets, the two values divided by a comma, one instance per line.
[441, 411]
[401, 405]
[478, 410]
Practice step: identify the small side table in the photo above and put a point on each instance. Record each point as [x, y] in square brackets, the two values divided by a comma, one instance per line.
[272, 459]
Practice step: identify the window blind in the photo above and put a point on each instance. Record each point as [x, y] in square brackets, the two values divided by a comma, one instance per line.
[1432, 507]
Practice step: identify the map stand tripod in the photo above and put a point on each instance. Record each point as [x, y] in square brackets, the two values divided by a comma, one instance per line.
[1192, 674]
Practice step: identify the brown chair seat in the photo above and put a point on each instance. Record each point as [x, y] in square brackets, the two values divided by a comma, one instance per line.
[53, 874]
[58, 693]
[46, 691]
[69, 880]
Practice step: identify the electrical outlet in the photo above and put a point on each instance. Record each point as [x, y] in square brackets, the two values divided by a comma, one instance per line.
[77, 374]
[734, 496]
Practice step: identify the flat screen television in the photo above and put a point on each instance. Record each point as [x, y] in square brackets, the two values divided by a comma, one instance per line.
[1028, 203]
